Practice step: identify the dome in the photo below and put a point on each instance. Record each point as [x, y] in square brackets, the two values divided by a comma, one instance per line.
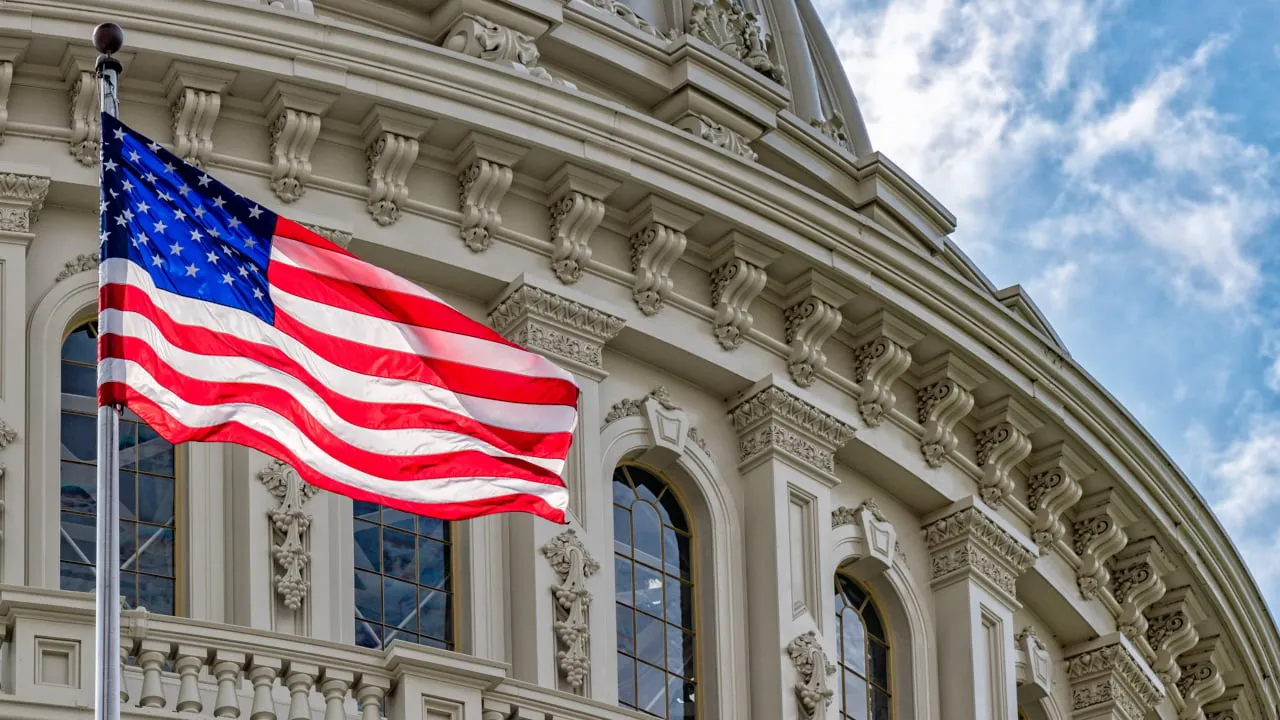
[823, 467]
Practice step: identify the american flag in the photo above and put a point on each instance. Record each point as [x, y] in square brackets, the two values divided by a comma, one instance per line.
[222, 321]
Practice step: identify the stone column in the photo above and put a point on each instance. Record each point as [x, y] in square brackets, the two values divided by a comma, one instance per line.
[21, 197]
[977, 558]
[787, 461]
[1109, 680]
[573, 334]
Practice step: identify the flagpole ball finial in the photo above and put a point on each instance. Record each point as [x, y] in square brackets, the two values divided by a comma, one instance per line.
[108, 38]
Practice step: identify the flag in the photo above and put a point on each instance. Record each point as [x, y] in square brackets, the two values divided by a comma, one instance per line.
[221, 321]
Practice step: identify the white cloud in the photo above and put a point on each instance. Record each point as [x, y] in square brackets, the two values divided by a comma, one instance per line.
[1245, 477]
[1052, 289]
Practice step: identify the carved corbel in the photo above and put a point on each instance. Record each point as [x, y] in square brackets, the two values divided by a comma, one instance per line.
[341, 238]
[1230, 706]
[12, 53]
[1137, 581]
[1098, 536]
[1201, 680]
[290, 524]
[293, 115]
[21, 199]
[739, 263]
[880, 539]
[1171, 631]
[882, 353]
[566, 331]
[1034, 667]
[657, 241]
[769, 420]
[484, 169]
[969, 541]
[727, 26]
[1053, 487]
[1109, 680]
[810, 661]
[945, 397]
[813, 315]
[725, 138]
[391, 146]
[573, 565]
[482, 38]
[669, 426]
[577, 198]
[84, 103]
[1003, 440]
[194, 94]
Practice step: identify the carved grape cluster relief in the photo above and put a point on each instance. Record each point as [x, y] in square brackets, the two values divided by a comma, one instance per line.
[573, 565]
[290, 523]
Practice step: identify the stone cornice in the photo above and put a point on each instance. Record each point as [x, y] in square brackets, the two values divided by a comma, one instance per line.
[565, 330]
[770, 420]
[969, 541]
[1109, 680]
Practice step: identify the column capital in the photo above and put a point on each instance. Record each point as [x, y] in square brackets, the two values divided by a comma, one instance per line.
[969, 541]
[1109, 680]
[771, 421]
[565, 330]
[21, 199]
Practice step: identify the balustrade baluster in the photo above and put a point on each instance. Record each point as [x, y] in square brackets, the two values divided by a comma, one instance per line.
[151, 659]
[300, 679]
[335, 686]
[124, 663]
[263, 676]
[190, 660]
[373, 689]
[226, 668]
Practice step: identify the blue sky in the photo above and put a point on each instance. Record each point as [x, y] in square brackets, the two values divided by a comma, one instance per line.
[1121, 160]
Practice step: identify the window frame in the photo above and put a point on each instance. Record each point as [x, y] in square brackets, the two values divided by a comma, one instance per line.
[886, 625]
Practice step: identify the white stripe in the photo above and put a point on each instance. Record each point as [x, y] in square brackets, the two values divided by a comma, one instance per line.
[440, 344]
[496, 413]
[399, 442]
[270, 424]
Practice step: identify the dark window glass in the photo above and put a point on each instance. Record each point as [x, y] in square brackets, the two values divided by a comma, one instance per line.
[148, 490]
[653, 561]
[404, 573]
[864, 654]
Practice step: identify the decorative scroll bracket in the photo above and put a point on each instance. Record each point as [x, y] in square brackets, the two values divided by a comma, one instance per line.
[882, 354]
[657, 241]
[294, 116]
[194, 93]
[813, 316]
[1003, 440]
[945, 397]
[577, 198]
[484, 169]
[736, 281]
[810, 661]
[573, 564]
[290, 524]
[391, 145]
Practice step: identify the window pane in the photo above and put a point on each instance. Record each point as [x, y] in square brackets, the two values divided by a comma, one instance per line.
[879, 704]
[853, 642]
[651, 689]
[403, 578]
[647, 526]
[879, 654]
[626, 680]
[79, 437]
[621, 530]
[680, 698]
[855, 696]
[864, 654]
[626, 629]
[622, 581]
[651, 641]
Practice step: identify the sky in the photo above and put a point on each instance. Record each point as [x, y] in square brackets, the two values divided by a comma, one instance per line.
[1120, 159]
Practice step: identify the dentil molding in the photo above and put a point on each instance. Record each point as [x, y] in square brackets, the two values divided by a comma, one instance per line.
[669, 425]
[945, 397]
[484, 169]
[882, 353]
[970, 542]
[1053, 487]
[391, 148]
[657, 241]
[290, 523]
[562, 329]
[739, 263]
[1109, 680]
[1002, 439]
[21, 199]
[770, 421]
[573, 565]
[811, 663]
[812, 315]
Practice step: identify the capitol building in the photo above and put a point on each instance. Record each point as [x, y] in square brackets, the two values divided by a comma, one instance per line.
[825, 469]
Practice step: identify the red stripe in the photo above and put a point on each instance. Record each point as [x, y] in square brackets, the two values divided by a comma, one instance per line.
[175, 432]
[292, 230]
[383, 304]
[395, 467]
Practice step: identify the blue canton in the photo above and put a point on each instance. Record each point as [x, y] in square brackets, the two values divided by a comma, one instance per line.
[195, 236]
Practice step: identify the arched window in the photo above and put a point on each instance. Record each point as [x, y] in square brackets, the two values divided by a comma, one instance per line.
[653, 572]
[148, 490]
[404, 578]
[864, 653]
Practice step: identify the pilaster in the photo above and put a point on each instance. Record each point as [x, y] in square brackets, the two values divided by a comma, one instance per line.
[1171, 631]
[945, 397]
[882, 353]
[576, 196]
[1137, 581]
[391, 146]
[977, 558]
[657, 241]
[1109, 681]
[1053, 487]
[484, 166]
[1003, 439]
[294, 116]
[739, 262]
[786, 459]
[813, 303]
[194, 93]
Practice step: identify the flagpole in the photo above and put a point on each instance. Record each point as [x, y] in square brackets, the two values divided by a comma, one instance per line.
[108, 38]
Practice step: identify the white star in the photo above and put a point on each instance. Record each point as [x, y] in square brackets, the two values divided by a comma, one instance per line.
[212, 257]
[166, 197]
[128, 214]
[213, 232]
[234, 223]
[153, 146]
[143, 207]
[254, 212]
[244, 271]
[122, 220]
[175, 248]
[102, 207]
[219, 202]
[119, 134]
[112, 192]
[199, 211]
[155, 260]
[134, 156]
[195, 235]
[250, 243]
[103, 236]
[179, 215]
[257, 293]
[227, 279]
[109, 165]
[204, 180]
[150, 177]
[183, 190]
[128, 186]
[192, 270]
[168, 168]
[141, 239]
[159, 227]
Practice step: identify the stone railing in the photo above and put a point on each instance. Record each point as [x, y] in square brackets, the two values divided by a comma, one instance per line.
[186, 668]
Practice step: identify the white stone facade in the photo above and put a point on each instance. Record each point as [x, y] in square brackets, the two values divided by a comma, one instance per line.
[679, 203]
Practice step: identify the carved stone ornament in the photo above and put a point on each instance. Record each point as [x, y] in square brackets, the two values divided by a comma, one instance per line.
[945, 397]
[736, 281]
[1171, 631]
[629, 16]
[1097, 538]
[970, 543]
[573, 565]
[879, 538]
[290, 524]
[1201, 680]
[577, 207]
[484, 168]
[8, 435]
[736, 32]
[81, 263]
[83, 110]
[665, 419]
[1108, 677]
[810, 661]
[812, 315]
[567, 331]
[1033, 664]
[341, 238]
[834, 129]
[1136, 583]
[195, 99]
[655, 248]
[1002, 440]
[1231, 705]
[6, 83]
[294, 130]
[21, 199]
[390, 158]
[482, 38]
[717, 134]
[881, 356]
[773, 421]
[1053, 487]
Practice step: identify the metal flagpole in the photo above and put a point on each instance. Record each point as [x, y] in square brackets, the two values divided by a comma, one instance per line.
[108, 38]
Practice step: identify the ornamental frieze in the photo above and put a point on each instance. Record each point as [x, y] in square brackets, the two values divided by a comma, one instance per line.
[774, 420]
[556, 326]
[970, 543]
